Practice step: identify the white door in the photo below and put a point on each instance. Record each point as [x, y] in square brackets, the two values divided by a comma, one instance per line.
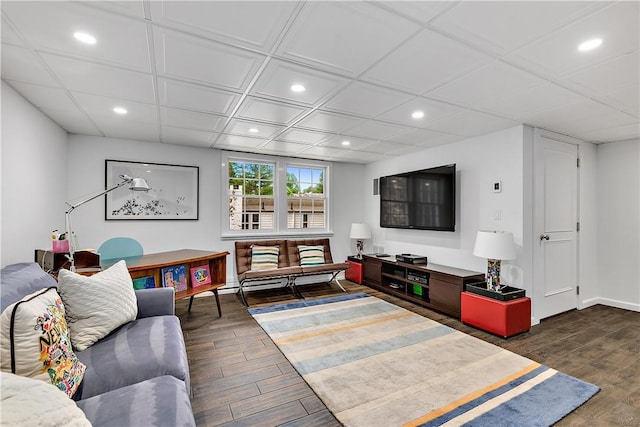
[555, 225]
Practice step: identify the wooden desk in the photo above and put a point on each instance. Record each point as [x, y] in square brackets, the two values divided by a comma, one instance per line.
[152, 265]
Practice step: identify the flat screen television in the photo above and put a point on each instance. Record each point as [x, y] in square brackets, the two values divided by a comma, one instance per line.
[423, 199]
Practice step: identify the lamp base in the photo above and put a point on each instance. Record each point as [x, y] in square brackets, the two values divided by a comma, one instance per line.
[359, 248]
[493, 274]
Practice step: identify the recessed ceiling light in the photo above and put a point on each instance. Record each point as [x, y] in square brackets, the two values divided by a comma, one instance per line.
[589, 44]
[253, 130]
[298, 88]
[120, 110]
[84, 37]
[346, 143]
[417, 114]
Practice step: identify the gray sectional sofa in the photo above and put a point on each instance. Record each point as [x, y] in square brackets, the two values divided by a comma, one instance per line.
[138, 375]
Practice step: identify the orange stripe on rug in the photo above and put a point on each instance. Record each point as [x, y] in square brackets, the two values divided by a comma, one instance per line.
[342, 328]
[465, 399]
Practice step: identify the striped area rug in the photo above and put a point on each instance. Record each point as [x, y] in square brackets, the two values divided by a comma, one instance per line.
[377, 364]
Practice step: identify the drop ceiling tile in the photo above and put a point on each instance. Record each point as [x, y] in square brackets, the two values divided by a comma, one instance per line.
[8, 35]
[626, 99]
[557, 54]
[283, 147]
[494, 80]
[45, 97]
[345, 37]
[254, 24]
[423, 137]
[174, 117]
[354, 143]
[302, 136]
[98, 79]
[324, 152]
[49, 26]
[375, 130]
[183, 56]
[182, 136]
[608, 119]
[618, 133]
[366, 100]
[520, 103]
[422, 11]
[22, 65]
[127, 7]
[73, 122]
[598, 80]
[586, 115]
[98, 107]
[113, 128]
[270, 111]
[243, 127]
[425, 62]
[330, 122]
[363, 157]
[237, 142]
[173, 93]
[471, 123]
[390, 148]
[433, 110]
[501, 26]
[279, 76]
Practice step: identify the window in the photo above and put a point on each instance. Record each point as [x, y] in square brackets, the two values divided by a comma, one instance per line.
[274, 195]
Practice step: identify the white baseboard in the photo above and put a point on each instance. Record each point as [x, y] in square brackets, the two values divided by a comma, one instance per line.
[625, 305]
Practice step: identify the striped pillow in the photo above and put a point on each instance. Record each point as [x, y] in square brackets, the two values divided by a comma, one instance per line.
[264, 257]
[311, 255]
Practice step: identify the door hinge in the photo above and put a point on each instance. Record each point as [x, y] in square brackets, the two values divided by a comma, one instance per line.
[578, 226]
[577, 290]
[578, 162]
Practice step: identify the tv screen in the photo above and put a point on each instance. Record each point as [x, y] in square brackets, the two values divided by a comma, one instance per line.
[423, 199]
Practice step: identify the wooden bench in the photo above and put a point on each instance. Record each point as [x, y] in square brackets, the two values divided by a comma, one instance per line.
[289, 266]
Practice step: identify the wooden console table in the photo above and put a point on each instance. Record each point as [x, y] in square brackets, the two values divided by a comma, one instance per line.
[152, 265]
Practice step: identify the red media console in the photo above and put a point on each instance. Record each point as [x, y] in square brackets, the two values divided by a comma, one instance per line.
[503, 318]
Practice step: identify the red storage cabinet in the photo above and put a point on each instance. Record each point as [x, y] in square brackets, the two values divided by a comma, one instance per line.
[354, 272]
[503, 318]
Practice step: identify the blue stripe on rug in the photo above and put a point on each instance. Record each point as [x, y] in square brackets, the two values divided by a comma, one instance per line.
[362, 352]
[307, 303]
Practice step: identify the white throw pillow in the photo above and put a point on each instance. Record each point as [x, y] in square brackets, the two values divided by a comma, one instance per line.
[35, 343]
[98, 304]
[29, 402]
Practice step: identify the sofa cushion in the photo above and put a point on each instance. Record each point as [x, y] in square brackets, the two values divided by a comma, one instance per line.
[137, 351]
[30, 402]
[98, 304]
[161, 401]
[20, 280]
[311, 255]
[35, 343]
[264, 257]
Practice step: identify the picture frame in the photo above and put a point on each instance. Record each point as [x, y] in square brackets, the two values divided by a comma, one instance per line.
[173, 194]
[200, 276]
[147, 282]
[175, 277]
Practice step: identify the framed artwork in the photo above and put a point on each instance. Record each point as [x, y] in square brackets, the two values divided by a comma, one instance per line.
[173, 191]
[147, 282]
[200, 276]
[175, 277]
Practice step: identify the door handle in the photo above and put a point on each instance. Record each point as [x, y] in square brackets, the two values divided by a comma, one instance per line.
[544, 237]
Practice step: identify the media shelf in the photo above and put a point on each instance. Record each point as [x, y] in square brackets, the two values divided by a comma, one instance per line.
[429, 285]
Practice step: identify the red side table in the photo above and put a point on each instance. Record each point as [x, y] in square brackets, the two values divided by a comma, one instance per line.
[503, 318]
[354, 272]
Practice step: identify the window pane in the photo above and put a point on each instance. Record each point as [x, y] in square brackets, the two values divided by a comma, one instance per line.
[247, 183]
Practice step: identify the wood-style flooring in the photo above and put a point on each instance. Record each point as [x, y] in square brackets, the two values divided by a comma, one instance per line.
[240, 378]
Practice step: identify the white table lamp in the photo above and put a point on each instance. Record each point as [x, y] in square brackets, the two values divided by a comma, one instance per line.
[495, 246]
[360, 232]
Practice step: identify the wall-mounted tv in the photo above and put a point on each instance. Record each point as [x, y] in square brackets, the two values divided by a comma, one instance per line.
[423, 199]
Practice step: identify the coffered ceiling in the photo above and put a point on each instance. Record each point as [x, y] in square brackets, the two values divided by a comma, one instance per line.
[220, 73]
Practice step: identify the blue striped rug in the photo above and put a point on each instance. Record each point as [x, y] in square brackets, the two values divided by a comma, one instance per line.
[376, 364]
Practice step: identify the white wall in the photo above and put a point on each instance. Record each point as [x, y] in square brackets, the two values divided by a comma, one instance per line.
[86, 177]
[619, 224]
[480, 161]
[34, 162]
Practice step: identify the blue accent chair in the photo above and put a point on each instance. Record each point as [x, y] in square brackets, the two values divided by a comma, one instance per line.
[120, 248]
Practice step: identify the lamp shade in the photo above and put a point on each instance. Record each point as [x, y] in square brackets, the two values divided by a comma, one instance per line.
[495, 245]
[139, 184]
[360, 231]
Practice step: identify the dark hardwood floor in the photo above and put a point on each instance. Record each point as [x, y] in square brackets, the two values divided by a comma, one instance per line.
[240, 378]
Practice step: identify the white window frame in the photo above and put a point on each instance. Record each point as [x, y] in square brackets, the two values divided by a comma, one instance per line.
[280, 197]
